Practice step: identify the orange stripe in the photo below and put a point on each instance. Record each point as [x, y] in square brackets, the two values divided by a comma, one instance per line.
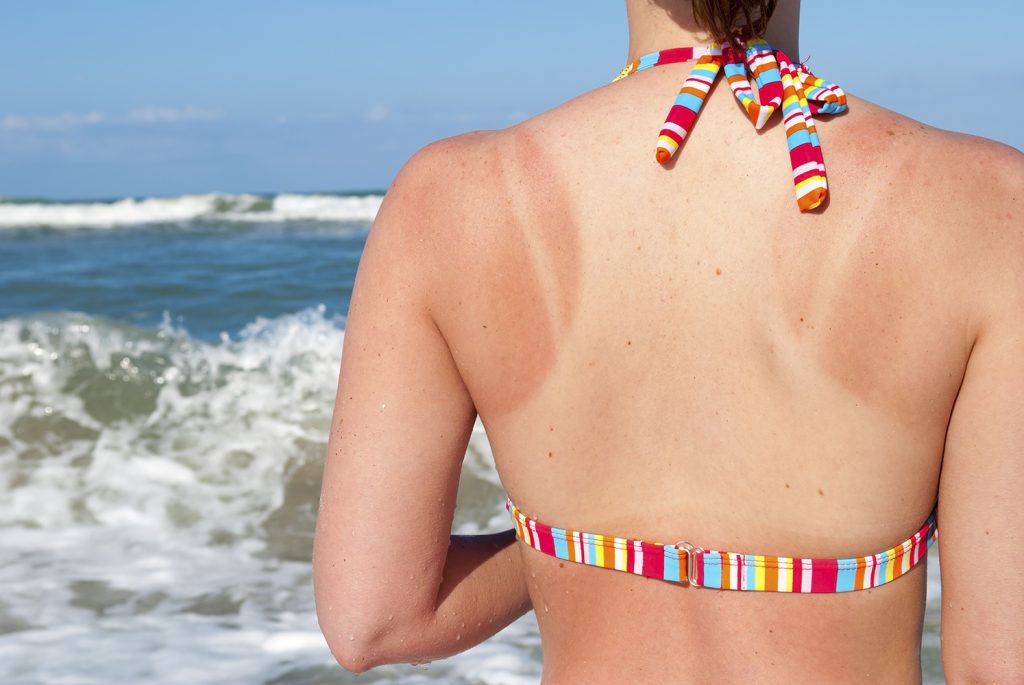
[897, 568]
[811, 200]
[771, 573]
[753, 110]
[797, 125]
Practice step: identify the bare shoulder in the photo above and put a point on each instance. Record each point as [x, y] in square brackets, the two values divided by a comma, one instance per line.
[971, 162]
[437, 172]
[434, 194]
[456, 187]
[969, 188]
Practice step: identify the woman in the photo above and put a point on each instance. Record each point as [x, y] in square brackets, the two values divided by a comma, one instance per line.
[772, 381]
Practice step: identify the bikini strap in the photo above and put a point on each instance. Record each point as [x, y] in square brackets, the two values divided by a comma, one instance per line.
[690, 565]
[781, 85]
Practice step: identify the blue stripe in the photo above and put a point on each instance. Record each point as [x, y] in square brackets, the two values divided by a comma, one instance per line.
[712, 570]
[770, 76]
[797, 139]
[846, 576]
[671, 564]
[588, 540]
[561, 547]
[751, 568]
[881, 568]
[735, 69]
[648, 60]
[691, 102]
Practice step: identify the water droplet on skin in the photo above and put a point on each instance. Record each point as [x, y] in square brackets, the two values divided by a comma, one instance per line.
[458, 637]
[351, 638]
[545, 608]
[391, 617]
[533, 574]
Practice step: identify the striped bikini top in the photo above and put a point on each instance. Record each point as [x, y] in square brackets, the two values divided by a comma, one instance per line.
[780, 85]
[690, 565]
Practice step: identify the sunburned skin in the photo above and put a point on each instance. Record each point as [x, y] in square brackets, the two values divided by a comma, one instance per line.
[520, 292]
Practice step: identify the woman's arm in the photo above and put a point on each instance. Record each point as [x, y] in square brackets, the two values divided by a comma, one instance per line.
[389, 586]
[982, 481]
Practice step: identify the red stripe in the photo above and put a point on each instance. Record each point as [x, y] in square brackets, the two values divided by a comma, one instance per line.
[806, 175]
[669, 133]
[654, 561]
[681, 116]
[544, 539]
[673, 55]
[825, 577]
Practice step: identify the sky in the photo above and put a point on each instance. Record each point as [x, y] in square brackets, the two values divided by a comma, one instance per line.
[117, 98]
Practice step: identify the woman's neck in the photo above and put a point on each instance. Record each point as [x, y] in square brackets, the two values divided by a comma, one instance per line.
[659, 24]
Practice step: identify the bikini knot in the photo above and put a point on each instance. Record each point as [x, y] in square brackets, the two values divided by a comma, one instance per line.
[781, 85]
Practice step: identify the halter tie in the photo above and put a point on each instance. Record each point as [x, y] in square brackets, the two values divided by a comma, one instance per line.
[780, 84]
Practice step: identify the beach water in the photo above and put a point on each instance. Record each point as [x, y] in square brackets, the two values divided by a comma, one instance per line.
[167, 375]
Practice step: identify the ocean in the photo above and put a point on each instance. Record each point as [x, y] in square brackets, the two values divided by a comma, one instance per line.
[167, 376]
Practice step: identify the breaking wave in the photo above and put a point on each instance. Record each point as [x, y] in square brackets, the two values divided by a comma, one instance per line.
[184, 209]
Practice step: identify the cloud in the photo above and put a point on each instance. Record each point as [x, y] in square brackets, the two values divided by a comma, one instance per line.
[170, 115]
[70, 121]
[59, 122]
[378, 113]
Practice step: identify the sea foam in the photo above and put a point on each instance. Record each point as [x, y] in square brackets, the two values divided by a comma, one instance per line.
[160, 495]
[209, 208]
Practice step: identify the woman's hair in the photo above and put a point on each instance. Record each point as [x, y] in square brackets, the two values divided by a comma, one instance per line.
[724, 19]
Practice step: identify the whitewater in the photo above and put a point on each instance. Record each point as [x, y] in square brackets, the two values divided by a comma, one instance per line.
[186, 209]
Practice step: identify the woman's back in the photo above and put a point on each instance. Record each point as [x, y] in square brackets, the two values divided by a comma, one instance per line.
[680, 354]
[674, 354]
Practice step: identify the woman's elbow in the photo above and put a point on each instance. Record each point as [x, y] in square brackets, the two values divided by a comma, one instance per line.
[354, 658]
[356, 646]
[361, 634]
